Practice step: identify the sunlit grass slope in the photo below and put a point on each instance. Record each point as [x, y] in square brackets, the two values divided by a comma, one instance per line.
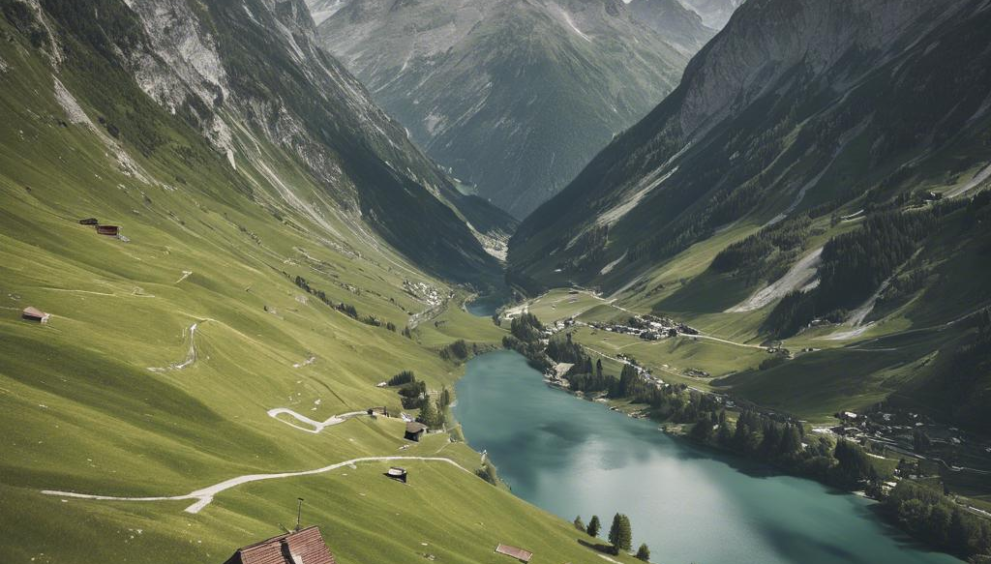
[164, 353]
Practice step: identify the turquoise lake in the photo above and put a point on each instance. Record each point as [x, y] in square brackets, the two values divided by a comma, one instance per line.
[574, 457]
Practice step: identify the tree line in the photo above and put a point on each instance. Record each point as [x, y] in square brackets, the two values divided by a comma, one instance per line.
[854, 265]
[345, 308]
[927, 513]
[785, 445]
[767, 254]
[525, 333]
[620, 534]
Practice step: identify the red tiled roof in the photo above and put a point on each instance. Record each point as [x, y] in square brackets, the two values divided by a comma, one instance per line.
[517, 553]
[302, 547]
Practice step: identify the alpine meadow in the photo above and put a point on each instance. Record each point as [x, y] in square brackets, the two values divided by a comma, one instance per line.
[466, 281]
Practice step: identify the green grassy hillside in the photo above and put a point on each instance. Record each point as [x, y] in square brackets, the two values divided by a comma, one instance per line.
[164, 353]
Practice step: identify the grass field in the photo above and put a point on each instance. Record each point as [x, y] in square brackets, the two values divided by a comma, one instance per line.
[164, 354]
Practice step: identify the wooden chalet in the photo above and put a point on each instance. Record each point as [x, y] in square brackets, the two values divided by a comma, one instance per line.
[415, 430]
[517, 553]
[305, 546]
[35, 314]
[109, 230]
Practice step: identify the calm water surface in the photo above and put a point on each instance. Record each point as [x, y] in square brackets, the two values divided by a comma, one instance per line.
[573, 457]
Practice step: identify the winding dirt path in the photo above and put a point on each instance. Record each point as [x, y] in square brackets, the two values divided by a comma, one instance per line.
[317, 425]
[190, 353]
[204, 496]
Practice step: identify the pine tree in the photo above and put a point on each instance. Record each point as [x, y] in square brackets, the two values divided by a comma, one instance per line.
[643, 553]
[428, 413]
[445, 398]
[621, 533]
[594, 526]
[579, 524]
[791, 440]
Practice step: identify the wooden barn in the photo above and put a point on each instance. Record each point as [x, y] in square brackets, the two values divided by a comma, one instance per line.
[88, 221]
[109, 230]
[415, 430]
[517, 553]
[305, 546]
[35, 314]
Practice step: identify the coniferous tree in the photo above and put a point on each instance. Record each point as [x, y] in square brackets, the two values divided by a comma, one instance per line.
[445, 398]
[643, 553]
[621, 533]
[428, 413]
[579, 524]
[594, 526]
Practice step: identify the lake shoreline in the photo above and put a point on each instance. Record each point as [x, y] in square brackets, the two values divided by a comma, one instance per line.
[734, 462]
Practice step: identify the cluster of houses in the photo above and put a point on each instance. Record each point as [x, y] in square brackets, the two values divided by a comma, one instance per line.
[425, 292]
[878, 424]
[897, 429]
[648, 327]
[558, 326]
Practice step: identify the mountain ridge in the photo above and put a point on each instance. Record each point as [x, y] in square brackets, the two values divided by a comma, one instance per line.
[676, 172]
[514, 95]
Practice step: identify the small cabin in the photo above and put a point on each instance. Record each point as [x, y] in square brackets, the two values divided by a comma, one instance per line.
[305, 546]
[88, 221]
[415, 430]
[35, 314]
[108, 230]
[398, 474]
[517, 553]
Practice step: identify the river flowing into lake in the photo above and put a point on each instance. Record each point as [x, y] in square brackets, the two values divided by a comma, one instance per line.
[574, 457]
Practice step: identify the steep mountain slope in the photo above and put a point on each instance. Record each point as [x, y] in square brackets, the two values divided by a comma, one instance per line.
[793, 107]
[514, 95]
[242, 72]
[715, 13]
[246, 283]
[816, 181]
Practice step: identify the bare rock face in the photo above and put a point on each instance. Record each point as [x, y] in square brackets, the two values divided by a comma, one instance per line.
[514, 95]
[770, 38]
[715, 13]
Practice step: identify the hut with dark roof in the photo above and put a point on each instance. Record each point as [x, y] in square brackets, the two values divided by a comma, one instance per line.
[305, 546]
[35, 314]
[415, 430]
[109, 230]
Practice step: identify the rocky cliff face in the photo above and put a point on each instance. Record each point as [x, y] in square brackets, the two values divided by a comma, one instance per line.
[250, 76]
[715, 13]
[515, 95]
[793, 106]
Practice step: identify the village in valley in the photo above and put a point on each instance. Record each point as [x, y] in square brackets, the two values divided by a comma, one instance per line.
[913, 445]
